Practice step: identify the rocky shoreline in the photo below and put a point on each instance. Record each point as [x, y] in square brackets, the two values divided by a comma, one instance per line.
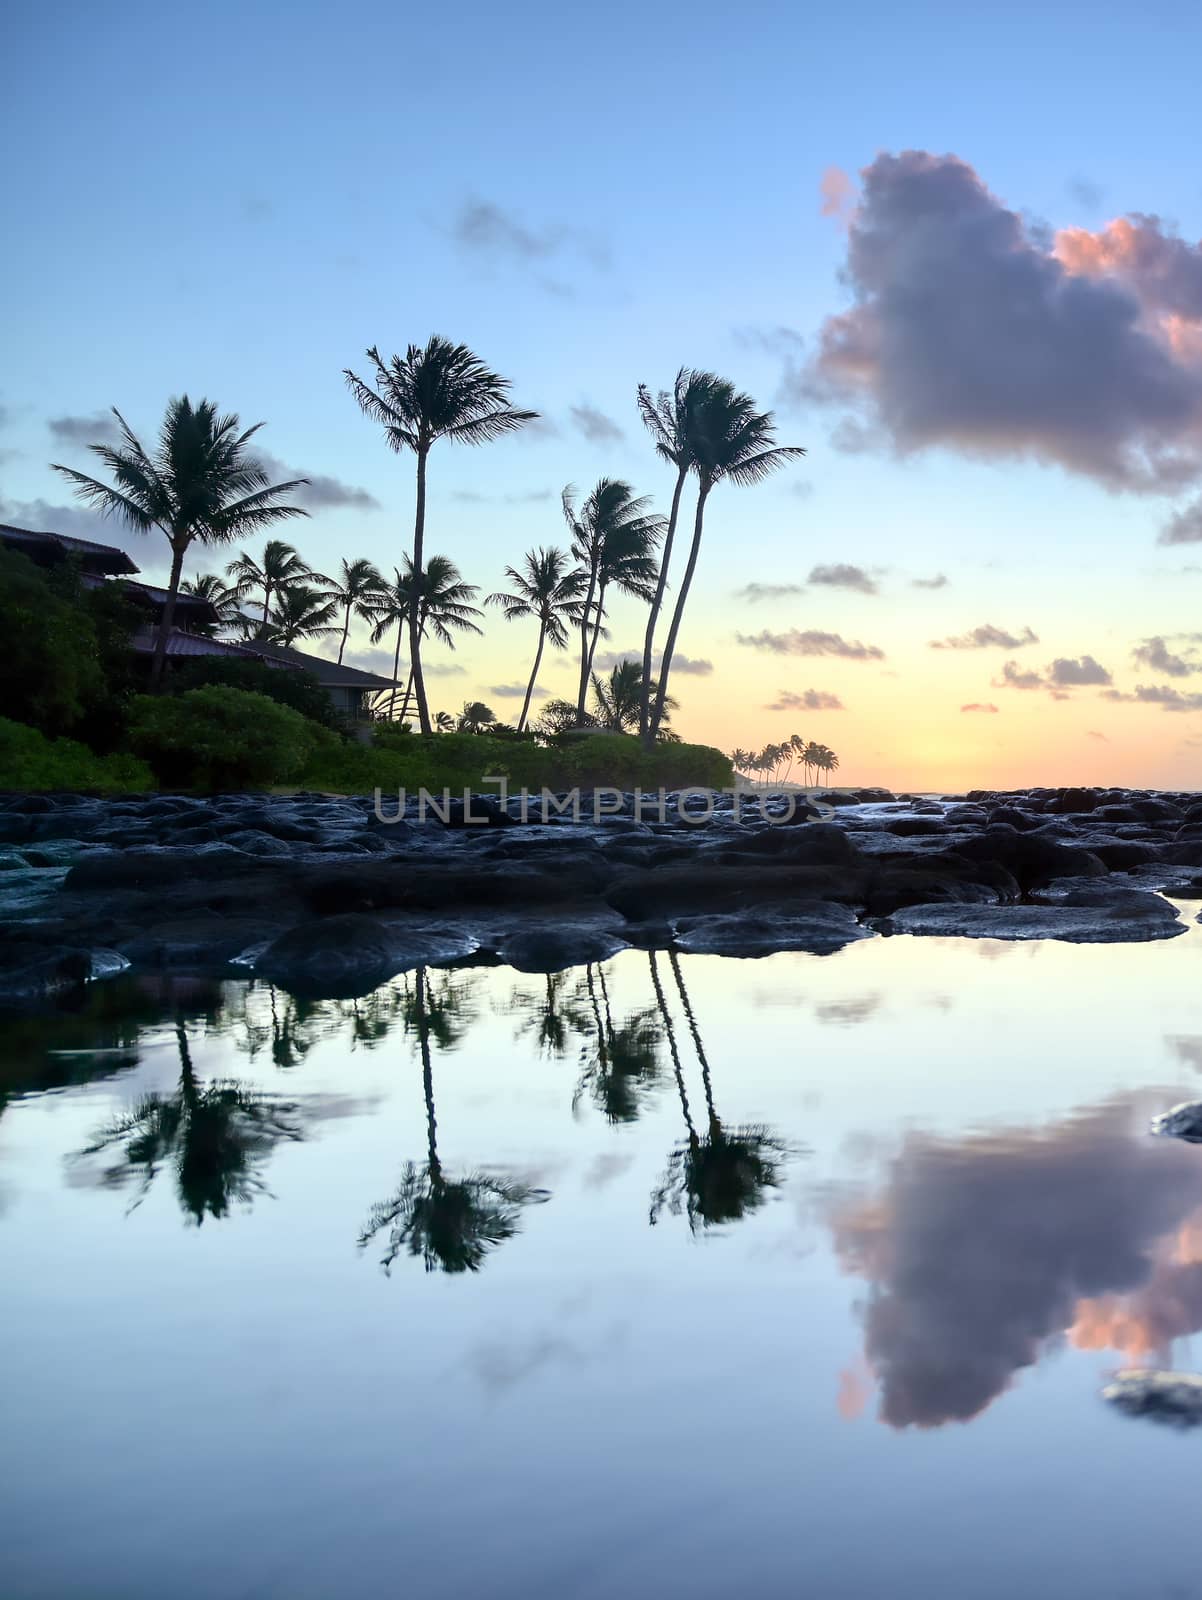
[316, 893]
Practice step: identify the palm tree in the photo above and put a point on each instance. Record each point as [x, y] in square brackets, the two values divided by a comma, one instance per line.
[451, 1223]
[547, 589]
[616, 699]
[441, 391]
[729, 439]
[613, 536]
[446, 609]
[625, 1066]
[280, 567]
[444, 722]
[198, 484]
[224, 599]
[671, 421]
[359, 587]
[743, 761]
[300, 612]
[475, 717]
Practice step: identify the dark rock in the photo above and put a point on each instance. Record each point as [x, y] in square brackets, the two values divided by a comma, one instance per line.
[346, 956]
[554, 949]
[1127, 853]
[1101, 916]
[682, 890]
[1032, 859]
[815, 926]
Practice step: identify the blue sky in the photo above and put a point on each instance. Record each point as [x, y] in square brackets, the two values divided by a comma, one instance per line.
[236, 201]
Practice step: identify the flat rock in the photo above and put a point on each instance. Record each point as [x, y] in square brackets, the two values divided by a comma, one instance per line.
[556, 949]
[341, 957]
[819, 927]
[1130, 916]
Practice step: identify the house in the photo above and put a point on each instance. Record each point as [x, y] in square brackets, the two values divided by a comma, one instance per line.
[351, 690]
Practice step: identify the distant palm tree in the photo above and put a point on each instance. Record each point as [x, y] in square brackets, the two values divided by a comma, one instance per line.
[547, 589]
[671, 420]
[613, 537]
[439, 391]
[356, 589]
[616, 698]
[279, 568]
[729, 439]
[444, 722]
[199, 484]
[475, 717]
[445, 609]
[224, 599]
[301, 612]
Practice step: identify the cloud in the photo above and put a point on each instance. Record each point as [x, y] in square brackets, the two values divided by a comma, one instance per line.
[1084, 192]
[100, 428]
[690, 666]
[755, 592]
[939, 581]
[843, 576]
[596, 427]
[986, 637]
[800, 488]
[811, 643]
[1077, 672]
[483, 229]
[378, 661]
[1092, 733]
[836, 189]
[808, 700]
[1157, 694]
[442, 669]
[322, 493]
[1187, 1048]
[1014, 677]
[1154, 653]
[980, 1253]
[977, 705]
[516, 691]
[1185, 527]
[473, 497]
[973, 331]
[42, 516]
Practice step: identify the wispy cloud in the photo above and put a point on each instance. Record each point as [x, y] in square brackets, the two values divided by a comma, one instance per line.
[98, 428]
[322, 492]
[516, 691]
[489, 232]
[811, 642]
[596, 427]
[1066, 672]
[939, 581]
[690, 666]
[977, 705]
[755, 592]
[1158, 694]
[843, 576]
[473, 497]
[807, 700]
[1155, 654]
[986, 637]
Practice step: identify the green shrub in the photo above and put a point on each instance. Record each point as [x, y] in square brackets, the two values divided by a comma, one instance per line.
[223, 738]
[298, 690]
[29, 760]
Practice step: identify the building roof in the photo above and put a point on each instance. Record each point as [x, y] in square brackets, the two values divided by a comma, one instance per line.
[328, 673]
[59, 546]
[193, 608]
[181, 643]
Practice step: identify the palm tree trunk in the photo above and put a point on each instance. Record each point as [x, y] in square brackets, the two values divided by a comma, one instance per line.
[584, 655]
[168, 618]
[415, 642]
[266, 603]
[538, 656]
[405, 701]
[346, 628]
[653, 615]
[396, 667]
[423, 1037]
[661, 695]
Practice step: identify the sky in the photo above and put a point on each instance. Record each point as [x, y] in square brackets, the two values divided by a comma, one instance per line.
[954, 249]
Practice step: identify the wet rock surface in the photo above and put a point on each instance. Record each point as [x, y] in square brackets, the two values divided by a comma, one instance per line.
[271, 883]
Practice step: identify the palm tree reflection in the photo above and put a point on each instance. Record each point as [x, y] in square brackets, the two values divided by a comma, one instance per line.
[213, 1138]
[451, 1223]
[720, 1175]
[623, 1065]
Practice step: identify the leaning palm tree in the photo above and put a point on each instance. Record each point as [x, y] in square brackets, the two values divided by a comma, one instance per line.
[475, 717]
[451, 1223]
[731, 440]
[444, 722]
[356, 590]
[616, 699]
[198, 484]
[445, 609]
[439, 391]
[223, 597]
[300, 612]
[671, 420]
[613, 537]
[279, 567]
[547, 589]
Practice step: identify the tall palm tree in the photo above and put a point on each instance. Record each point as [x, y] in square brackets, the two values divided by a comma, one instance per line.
[356, 590]
[613, 537]
[548, 589]
[616, 699]
[670, 418]
[439, 391]
[445, 609]
[731, 440]
[198, 484]
[279, 568]
[223, 597]
[451, 1223]
[301, 612]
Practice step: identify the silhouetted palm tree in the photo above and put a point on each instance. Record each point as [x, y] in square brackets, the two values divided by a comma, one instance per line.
[729, 439]
[224, 599]
[616, 699]
[444, 722]
[613, 537]
[301, 612]
[199, 484]
[356, 589]
[279, 568]
[549, 590]
[213, 1137]
[720, 1175]
[475, 717]
[624, 1067]
[446, 609]
[451, 1223]
[670, 418]
[439, 391]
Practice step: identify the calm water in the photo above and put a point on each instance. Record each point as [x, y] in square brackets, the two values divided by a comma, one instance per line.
[794, 1276]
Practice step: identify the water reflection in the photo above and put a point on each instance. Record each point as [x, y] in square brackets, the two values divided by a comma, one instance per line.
[980, 1253]
[720, 1175]
[451, 1223]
